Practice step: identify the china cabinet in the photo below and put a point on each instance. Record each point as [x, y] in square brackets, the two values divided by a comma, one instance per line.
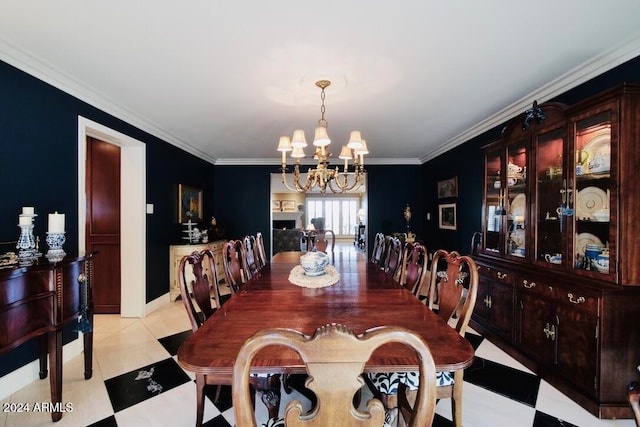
[559, 261]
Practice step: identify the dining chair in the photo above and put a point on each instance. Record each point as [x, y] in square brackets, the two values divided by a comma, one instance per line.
[233, 260]
[378, 248]
[334, 358]
[393, 260]
[414, 270]
[196, 297]
[454, 280]
[262, 254]
[325, 239]
[249, 246]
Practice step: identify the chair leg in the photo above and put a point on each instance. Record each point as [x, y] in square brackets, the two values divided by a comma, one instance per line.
[456, 398]
[200, 382]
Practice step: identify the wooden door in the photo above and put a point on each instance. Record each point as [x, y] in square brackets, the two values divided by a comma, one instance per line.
[103, 222]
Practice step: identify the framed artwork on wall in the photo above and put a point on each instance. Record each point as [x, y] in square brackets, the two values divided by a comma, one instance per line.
[189, 203]
[448, 188]
[447, 216]
[289, 205]
[276, 205]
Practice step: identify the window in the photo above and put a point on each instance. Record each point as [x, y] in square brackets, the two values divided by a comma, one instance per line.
[340, 214]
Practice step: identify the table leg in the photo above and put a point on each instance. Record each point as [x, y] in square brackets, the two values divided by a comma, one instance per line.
[88, 355]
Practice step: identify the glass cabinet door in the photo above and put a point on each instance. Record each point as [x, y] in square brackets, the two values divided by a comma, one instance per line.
[594, 230]
[551, 204]
[494, 209]
[516, 200]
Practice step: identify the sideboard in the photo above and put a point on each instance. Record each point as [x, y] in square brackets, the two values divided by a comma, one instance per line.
[176, 252]
[36, 301]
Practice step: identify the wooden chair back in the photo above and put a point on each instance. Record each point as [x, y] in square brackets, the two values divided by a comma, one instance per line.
[454, 285]
[325, 240]
[262, 254]
[414, 270]
[378, 248]
[233, 260]
[196, 293]
[249, 246]
[394, 257]
[334, 358]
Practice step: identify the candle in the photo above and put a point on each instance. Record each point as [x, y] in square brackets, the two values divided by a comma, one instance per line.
[24, 220]
[56, 223]
[28, 210]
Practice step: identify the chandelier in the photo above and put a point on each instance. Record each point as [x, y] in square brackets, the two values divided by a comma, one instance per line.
[322, 176]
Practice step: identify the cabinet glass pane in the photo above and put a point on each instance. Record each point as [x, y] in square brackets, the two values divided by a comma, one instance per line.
[549, 197]
[494, 211]
[593, 193]
[515, 191]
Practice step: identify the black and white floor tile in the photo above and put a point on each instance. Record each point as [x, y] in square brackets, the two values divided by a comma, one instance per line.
[137, 382]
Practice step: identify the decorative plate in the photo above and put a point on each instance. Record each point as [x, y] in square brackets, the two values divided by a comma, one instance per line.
[598, 145]
[584, 239]
[518, 205]
[589, 200]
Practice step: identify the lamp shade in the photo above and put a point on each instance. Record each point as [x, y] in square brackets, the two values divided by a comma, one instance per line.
[363, 149]
[298, 139]
[355, 140]
[284, 144]
[297, 153]
[321, 138]
[345, 153]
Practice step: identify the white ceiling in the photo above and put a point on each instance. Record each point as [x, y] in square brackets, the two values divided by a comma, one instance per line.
[224, 80]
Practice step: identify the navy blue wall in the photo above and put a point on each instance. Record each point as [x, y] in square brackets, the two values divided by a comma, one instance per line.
[242, 198]
[38, 167]
[466, 160]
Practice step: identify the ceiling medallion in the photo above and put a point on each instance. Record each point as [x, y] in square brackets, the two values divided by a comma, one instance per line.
[322, 176]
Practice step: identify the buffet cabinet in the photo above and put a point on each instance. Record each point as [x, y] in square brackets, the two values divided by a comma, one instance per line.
[559, 262]
[38, 297]
[177, 252]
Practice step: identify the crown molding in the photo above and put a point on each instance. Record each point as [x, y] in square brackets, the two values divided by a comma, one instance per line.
[309, 162]
[625, 51]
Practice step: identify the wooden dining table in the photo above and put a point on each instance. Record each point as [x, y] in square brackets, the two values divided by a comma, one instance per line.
[363, 298]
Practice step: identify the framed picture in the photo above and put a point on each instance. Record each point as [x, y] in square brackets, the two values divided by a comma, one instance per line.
[276, 205]
[189, 203]
[289, 205]
[448, 188]
[447, 216]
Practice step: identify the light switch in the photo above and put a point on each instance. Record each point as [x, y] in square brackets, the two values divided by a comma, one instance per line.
[149, 208]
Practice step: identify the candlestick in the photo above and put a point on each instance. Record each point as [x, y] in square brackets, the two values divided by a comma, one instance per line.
[55, 242]
[56, 223]
[26, 244]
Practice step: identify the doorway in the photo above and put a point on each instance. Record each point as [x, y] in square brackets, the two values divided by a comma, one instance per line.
[132, 216]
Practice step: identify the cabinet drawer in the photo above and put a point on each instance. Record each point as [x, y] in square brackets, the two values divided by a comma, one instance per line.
[578, 299]
[495, 274]
[559, 294]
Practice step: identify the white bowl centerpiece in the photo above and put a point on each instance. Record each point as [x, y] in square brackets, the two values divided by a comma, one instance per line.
[313, 263]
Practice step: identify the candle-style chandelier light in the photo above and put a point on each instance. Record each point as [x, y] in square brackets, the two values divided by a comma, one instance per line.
[322, 176]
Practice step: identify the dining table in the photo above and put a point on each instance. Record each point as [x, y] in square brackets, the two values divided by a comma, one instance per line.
[363, 297]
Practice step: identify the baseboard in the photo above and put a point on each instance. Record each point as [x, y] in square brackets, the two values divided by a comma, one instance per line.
[30, 372]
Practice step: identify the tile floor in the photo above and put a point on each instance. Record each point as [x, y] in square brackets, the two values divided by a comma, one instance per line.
[137, 382]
